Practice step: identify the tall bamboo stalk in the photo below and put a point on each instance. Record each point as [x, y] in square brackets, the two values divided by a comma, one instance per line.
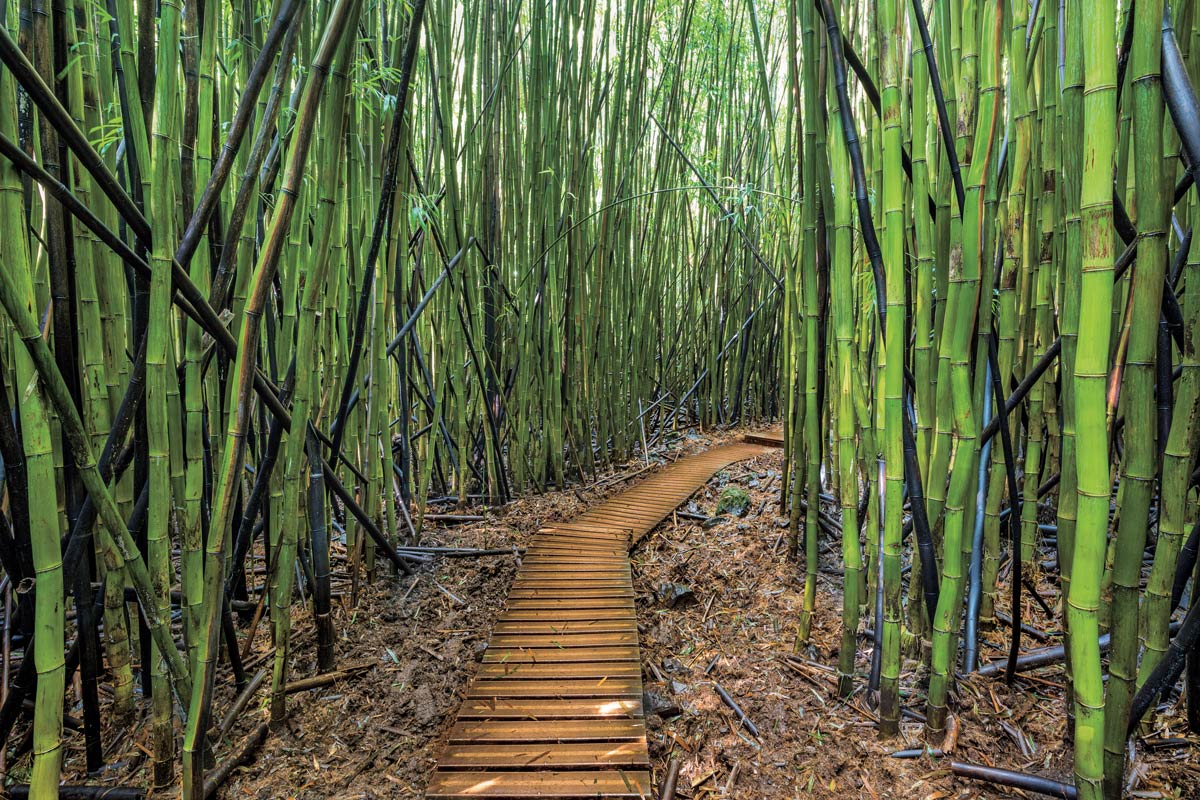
[1089, 380]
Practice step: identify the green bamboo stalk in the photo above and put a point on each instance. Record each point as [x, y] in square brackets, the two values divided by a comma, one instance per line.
[1140, 462]
[1072, 173]
[34, 409]
[1178, 459]
[1090, 379]
[102, 340]
[194, 384]
[341, 16]
[847, 383]
[160, 366]
[961, 308]
[892, 357]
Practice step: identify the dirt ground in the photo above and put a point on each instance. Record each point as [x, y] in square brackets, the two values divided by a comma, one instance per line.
[740, 631]
[375, 733]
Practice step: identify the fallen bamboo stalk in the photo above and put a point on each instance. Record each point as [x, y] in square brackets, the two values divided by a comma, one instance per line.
[1045, 656]
[458, 601]
[1040, 635]
[741, 715]
[1016, 780]
[240, 703]
[234, 760]
[667, 792]
[317, 681]
[460, 552]
[917, 752]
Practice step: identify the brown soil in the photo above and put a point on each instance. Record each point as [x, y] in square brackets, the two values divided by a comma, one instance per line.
[376, 733]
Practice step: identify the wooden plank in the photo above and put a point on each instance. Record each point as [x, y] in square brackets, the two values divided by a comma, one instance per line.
[517, 731]
[559, 583]
[574, 572]
[565, 615]
[572, 626]
[617, 557]
[558, 551]
[617, 551]
[575, 569]
[585, 527]
[552, 582]
[554, 585]
[605, 558]
[659, 507]
[576, 578]
[557, 784]
[551, 708]
[537, 655]
[566, 640]
[572, 602]
[629, 511]
[533, 594]
[573, 562]
[543, 756]
[583, 535]
[574, 559]
[517, 670]
[578, 540]
[587, 687]
[602, 539]
[579, 525]
[650, 510]
[572, 548]
[765, 438]
[639, 524]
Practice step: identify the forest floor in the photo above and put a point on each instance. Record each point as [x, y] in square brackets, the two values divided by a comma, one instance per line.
[375, 735]
[717, 603]
[740, 632]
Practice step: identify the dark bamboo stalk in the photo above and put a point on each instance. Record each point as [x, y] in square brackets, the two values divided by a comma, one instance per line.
[1167, 671]
[64, 125]
[854, 148]
[1016, 780]
[1180, 96]
[1185, 565]
[925, 544]
[322, 606]
[1014, 516]
[235, 759]
[939, 99]
[237, 131]
[383, 215]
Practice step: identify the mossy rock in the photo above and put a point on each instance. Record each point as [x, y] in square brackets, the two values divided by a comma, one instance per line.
[733, 501]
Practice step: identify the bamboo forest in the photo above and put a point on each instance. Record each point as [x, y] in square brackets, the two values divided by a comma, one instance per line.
[599, 399]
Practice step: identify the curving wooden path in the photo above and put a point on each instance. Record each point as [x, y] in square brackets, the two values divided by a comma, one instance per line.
[555, 709]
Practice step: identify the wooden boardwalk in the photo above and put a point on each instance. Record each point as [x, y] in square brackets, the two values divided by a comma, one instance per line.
[768, 438]
[555, 709]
